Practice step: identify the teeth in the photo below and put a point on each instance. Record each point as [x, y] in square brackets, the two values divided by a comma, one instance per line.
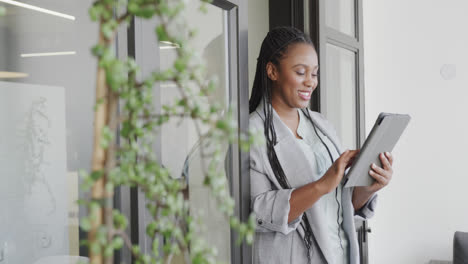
[304, 93]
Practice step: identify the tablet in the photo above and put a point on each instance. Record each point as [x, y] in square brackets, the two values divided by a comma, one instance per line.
[383, 137]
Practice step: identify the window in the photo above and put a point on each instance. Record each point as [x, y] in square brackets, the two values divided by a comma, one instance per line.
[341, 59]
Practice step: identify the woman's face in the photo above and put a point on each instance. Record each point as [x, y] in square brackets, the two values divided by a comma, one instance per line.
[295, 78]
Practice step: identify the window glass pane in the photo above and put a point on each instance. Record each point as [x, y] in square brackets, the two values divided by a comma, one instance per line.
[180, 141]
[341, 93]
[47, 78]
[340, 15]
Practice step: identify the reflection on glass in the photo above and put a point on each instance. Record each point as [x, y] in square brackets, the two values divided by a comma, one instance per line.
[46, 115]
[180, 142]
[340, 15]
[341, 93]
[38, 9]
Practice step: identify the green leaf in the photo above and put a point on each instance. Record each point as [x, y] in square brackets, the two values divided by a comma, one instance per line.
[95, 248]
[151, 229]
[203, 9]
[108, 29]
[116, 74]
[161, 33]
[132, 65]
[99, 102]
[108, 251]
[98, 50]
[94, 206]
[84, 242]
[147, 12]
[96, 175]
[106, 137]
[126, 129]
[81, 202]
[249, 238]
[180, 65]
[136, 249]
[222, 124]
[155, 247]
[117, 242]
[85, 224]
[109, 187]
[146, 259]
[133, 7]
[120, 221]
[95, 12]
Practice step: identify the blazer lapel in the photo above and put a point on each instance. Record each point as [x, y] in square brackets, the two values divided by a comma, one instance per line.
[299, 172]
[295, 165]
[320, 124]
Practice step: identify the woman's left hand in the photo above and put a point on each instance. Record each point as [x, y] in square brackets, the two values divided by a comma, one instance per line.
[383, 175]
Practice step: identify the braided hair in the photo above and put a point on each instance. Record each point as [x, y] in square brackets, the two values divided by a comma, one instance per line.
[274, 48]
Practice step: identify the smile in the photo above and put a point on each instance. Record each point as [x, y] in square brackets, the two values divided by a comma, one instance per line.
[305, 95]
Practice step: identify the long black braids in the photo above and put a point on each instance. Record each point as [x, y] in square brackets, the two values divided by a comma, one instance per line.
[273, 48]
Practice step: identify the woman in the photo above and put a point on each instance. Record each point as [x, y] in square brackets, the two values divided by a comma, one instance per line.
[304, 215]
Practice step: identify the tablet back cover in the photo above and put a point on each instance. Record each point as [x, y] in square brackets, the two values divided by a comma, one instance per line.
[382, 138]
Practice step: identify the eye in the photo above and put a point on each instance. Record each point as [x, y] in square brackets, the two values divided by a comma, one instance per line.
[300, 73]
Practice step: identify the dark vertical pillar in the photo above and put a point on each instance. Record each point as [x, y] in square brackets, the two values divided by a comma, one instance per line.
[314, 18]
[280, 13]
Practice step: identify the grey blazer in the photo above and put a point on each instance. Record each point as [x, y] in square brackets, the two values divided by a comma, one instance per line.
[276, 241]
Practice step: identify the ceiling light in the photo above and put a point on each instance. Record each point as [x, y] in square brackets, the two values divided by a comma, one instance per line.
[38, 9]
[168, 85]
[170, 45]
[167, 47]
[28, 55]
[12, 75]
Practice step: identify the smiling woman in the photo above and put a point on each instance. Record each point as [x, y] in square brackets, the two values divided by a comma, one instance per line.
[304, 214]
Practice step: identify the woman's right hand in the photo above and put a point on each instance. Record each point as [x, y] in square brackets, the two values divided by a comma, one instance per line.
[335, 173]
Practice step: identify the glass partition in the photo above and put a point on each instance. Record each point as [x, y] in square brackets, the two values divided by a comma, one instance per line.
[47, 79]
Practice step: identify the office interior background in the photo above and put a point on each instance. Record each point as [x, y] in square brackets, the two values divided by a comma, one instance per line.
[375, 56]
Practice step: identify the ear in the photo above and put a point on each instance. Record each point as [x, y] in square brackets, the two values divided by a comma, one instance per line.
[272, 71]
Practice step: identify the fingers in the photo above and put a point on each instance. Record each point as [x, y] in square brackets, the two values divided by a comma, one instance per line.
[378, 169]
[347, 158]
[383, 175]
[385, 162]
[349, 154]
[389, 157]
[381, 179]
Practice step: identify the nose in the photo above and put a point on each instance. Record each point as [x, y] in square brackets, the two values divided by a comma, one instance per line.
[311, 81]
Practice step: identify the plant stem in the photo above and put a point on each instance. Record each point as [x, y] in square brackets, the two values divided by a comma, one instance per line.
[110, 163]
[99, 156]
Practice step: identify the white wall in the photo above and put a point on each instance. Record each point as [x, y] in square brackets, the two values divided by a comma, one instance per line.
[258, 28]
[406, 43]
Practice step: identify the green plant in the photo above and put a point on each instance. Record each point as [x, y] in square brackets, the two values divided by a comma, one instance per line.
[132, 162]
